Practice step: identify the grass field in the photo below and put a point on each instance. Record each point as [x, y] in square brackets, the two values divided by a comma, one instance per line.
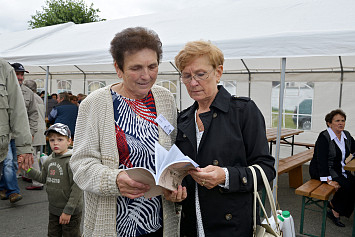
[287, 118]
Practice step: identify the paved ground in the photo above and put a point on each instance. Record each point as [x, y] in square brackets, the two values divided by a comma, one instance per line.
[29, 217]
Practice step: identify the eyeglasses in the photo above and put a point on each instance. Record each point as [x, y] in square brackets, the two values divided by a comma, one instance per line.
[187, 78]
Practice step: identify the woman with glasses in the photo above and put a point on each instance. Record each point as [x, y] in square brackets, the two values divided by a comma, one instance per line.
[224, 134]
[117, 129]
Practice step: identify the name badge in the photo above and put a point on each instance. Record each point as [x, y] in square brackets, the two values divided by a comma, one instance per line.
[164, 124]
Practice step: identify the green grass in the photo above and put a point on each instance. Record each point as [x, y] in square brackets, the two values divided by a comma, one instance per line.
[288, 121]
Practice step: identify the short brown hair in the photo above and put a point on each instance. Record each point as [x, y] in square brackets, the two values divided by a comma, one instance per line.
[131, 40]
[64, 95]
[198, 48]
[329, 117]
[73, 97]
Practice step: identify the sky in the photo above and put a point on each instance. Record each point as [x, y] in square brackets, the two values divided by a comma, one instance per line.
[15, 14]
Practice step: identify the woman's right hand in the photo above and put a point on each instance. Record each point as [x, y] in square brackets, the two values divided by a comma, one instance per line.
[130, 188]
[334, 184]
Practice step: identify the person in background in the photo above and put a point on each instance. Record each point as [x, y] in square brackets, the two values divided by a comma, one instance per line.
[10, 180]
[31, 105]
[39, 139]
[74, 100]
[14, 122]
[42, 94]
[64, 196]
[64, 112]
[116, 130]
[224, 134]
[28, 96]
[50, 104]
[54, 96]
[332, 148]
[81, 97]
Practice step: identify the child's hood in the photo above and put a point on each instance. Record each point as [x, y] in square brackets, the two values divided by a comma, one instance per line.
[69, 153]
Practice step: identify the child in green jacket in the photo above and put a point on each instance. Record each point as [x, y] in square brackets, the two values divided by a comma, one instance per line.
[64, 196]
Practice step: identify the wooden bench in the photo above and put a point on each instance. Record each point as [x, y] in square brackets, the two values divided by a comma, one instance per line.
[314, 192]
[293, 166]
[308, 145]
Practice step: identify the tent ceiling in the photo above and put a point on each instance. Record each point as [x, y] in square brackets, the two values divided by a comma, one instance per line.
[312, 34]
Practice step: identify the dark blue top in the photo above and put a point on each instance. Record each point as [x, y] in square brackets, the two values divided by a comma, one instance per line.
[65, 112]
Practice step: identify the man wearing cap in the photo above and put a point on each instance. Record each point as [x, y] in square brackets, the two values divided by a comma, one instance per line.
[30, 103]
[28, 96]
[13, 122]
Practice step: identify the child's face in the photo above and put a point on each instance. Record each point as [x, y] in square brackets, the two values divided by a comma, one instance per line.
[59, 143]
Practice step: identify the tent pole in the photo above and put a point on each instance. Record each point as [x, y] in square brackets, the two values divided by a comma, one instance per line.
[45, 96]
[249, 77]
[84, 77]
[279, 123]
[180, 100]
[341, 81]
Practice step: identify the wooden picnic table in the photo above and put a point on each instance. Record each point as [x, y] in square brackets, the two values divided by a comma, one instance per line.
[286, 133]
[351, 166]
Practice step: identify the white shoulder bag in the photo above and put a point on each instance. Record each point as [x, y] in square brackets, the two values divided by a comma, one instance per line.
[264, 230]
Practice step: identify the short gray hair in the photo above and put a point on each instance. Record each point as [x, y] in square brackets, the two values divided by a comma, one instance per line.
[31, 84]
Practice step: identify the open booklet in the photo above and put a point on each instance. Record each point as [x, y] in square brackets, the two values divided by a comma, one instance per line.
[171, 167]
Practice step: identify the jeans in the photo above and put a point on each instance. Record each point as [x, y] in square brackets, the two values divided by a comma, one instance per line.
[9, 180]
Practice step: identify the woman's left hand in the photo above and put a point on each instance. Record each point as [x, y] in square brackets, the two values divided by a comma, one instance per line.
[209, 176]
[175, 196]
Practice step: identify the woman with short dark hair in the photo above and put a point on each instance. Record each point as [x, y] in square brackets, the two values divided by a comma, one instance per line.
[332, 148]
[117, 130]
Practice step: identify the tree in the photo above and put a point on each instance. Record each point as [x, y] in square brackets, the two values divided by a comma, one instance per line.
[62, 11]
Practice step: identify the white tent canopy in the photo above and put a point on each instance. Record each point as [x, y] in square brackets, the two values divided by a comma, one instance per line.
[259, 32]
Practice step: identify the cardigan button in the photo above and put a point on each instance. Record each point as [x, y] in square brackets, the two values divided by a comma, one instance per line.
[184, 135]
[244, 180]
[229, 217]
[215, 162]
[214, 115]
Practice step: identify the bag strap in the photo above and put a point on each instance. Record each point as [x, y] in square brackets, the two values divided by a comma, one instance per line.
[257, 196]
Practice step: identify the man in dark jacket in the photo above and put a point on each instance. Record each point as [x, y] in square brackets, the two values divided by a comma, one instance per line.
[64, 112]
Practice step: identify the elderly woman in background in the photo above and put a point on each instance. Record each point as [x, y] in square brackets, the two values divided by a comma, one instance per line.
[224, 134]
[116, 130]
[332, 148]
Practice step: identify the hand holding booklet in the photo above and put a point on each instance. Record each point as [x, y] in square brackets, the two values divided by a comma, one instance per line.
[171, 167]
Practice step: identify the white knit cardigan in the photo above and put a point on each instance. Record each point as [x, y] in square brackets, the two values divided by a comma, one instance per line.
[95, 161]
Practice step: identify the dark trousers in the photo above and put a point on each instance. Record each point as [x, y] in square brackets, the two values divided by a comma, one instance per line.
[69, 230]
[344, 198]
[1, 165]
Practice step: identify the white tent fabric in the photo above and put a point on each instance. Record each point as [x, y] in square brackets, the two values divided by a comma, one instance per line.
[251, 30]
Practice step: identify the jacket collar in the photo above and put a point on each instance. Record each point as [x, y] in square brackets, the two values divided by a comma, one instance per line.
[221, 102]
[333, 136]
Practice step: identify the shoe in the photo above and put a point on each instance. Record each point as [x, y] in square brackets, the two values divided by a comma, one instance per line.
[15, 197]
[336, 220]
[26, 179]
[34, 187]
[3, 195]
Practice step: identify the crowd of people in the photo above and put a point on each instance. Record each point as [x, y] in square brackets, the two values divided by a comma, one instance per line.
[116, 128]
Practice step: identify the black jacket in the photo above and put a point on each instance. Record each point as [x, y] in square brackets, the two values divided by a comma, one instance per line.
[327, 156]
[234, 138]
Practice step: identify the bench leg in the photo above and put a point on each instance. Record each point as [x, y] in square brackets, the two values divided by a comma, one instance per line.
[325, 204]
[295, 177]
[302, 214]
